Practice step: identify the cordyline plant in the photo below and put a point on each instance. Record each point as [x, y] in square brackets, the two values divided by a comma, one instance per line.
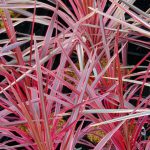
[71, 87]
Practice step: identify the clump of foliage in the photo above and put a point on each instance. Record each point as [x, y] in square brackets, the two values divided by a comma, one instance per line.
[71, 85]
